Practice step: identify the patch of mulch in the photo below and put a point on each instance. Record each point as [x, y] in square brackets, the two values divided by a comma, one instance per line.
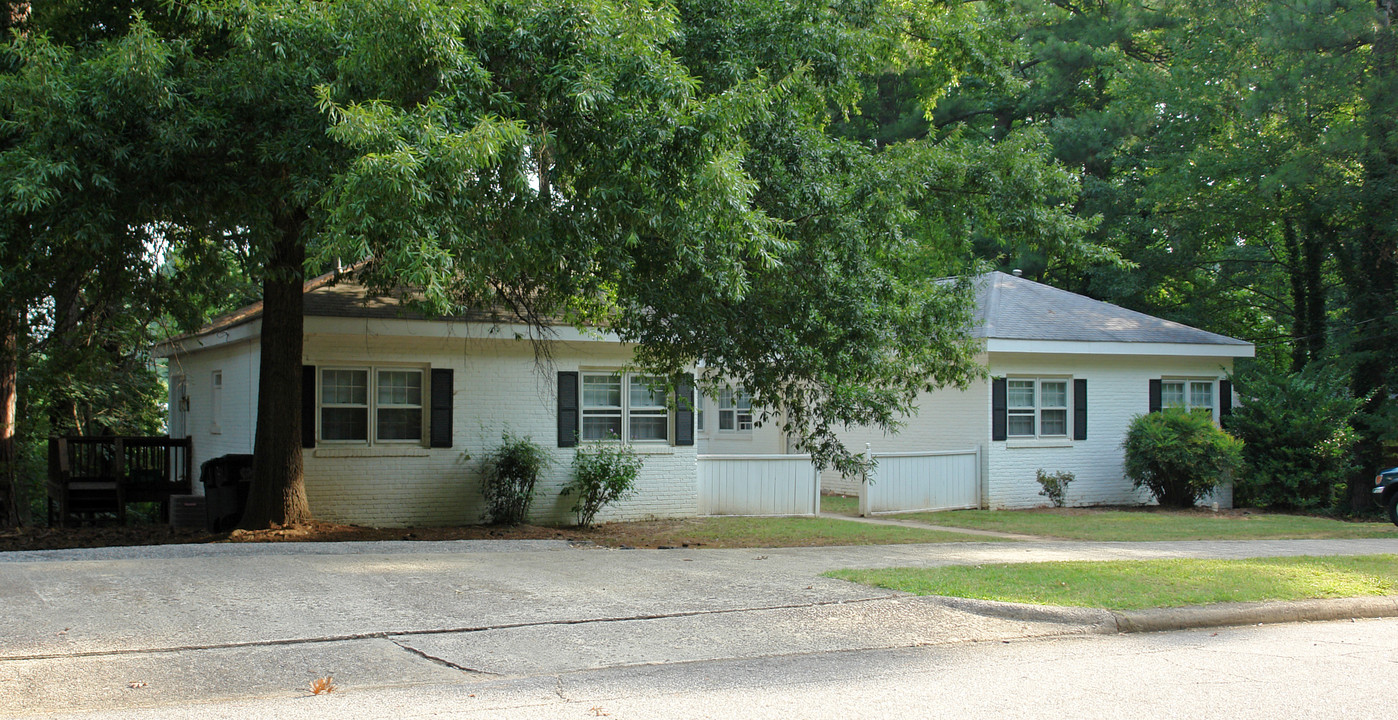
[43, 538]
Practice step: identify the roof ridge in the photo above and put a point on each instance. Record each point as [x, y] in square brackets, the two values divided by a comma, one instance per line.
[992, 303]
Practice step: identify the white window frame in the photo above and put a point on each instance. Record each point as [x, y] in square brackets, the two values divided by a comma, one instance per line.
[730, 405]
[626, 411]
[1036, 410]
[1188, 385]
[372, 405]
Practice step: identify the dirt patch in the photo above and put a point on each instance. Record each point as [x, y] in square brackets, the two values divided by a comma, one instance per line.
[661, 533]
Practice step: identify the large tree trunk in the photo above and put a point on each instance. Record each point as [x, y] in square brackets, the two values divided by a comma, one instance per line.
[1300, 321]
[278, 494]
[1305, 259]
[1314, 249]
[1373, 280]
[9, 398]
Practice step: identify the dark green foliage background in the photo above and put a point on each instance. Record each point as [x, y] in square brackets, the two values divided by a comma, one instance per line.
[1297, 439]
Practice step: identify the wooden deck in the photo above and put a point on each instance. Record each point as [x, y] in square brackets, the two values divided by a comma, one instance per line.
[90, 475]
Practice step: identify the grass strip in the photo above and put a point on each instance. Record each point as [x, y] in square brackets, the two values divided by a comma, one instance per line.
[1146, 525]
[839, 504]
[1138, 584]
[724, 532]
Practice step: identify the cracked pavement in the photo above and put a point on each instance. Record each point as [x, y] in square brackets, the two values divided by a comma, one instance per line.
[201, 624]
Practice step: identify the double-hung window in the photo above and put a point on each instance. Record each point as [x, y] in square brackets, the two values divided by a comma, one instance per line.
[371, 405]
[398, 415]
[1036, 407]
[647, 418]
[1191, 395]
[624, 406]
[734, 411]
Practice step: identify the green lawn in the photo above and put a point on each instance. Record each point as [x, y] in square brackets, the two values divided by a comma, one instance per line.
[1136, 584]
[839, 505]
[1141, 525]
[768, 532]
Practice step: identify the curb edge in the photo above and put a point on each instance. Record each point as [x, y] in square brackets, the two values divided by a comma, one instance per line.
[1101, 621]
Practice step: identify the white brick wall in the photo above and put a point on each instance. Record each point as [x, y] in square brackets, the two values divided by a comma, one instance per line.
[1117, 390]
[764, 439]
[947, 419]
[498, 387]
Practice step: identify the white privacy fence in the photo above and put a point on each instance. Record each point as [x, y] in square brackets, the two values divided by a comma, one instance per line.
[758, 485]
[909, 481]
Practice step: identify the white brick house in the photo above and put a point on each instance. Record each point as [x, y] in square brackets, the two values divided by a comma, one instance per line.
[398, 410]
[1066, 376]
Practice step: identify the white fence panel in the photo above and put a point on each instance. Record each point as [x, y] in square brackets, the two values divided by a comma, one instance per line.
[906, 482]
[758, 485]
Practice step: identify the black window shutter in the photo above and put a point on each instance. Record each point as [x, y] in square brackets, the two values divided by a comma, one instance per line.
[1155, 396]
[1080, 409]
[1225, 398]
[308, 406]
[567, 409]
[440, 429]
[999, 410]
[684, 410]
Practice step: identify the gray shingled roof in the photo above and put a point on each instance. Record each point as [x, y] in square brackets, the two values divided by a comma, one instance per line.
[1007, 308]
[1013, 308]
[351, 300]
[331, 296]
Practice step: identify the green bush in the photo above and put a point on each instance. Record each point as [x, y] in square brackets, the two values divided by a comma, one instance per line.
[1055, 486]
[508, 477]
[1296, 437]
[1179, 456]
[602, 475]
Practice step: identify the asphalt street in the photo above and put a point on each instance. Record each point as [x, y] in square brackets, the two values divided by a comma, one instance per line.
[178, 627]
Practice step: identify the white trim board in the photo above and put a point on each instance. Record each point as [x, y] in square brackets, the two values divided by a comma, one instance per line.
[1078, 347]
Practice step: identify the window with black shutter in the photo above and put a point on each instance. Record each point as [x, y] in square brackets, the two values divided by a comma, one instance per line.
[567, 409]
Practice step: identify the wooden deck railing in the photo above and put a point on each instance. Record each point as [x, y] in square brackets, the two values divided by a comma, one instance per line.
[98, 474]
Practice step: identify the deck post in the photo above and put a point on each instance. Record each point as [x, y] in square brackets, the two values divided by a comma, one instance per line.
[189, 461]
[119, 458]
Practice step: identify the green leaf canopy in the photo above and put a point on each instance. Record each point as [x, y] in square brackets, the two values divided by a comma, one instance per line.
[665, 169]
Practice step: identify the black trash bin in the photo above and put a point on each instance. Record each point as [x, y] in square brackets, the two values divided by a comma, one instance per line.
[226, 482]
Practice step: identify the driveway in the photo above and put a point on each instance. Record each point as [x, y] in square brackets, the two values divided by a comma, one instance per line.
[142, 627]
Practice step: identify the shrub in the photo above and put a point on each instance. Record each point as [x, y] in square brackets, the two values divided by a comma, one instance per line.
[1179, 456]
[602, 475]
[1055, 486]
[1296, 437]
[508, 477]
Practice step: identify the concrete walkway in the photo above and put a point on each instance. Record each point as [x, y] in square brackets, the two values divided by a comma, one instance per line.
[143, 627]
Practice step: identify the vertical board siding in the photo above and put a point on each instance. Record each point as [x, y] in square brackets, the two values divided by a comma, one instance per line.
[758, 485]
[903, 482]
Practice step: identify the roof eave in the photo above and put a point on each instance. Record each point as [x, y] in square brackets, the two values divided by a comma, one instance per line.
[245, 329]
[1083, 347]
